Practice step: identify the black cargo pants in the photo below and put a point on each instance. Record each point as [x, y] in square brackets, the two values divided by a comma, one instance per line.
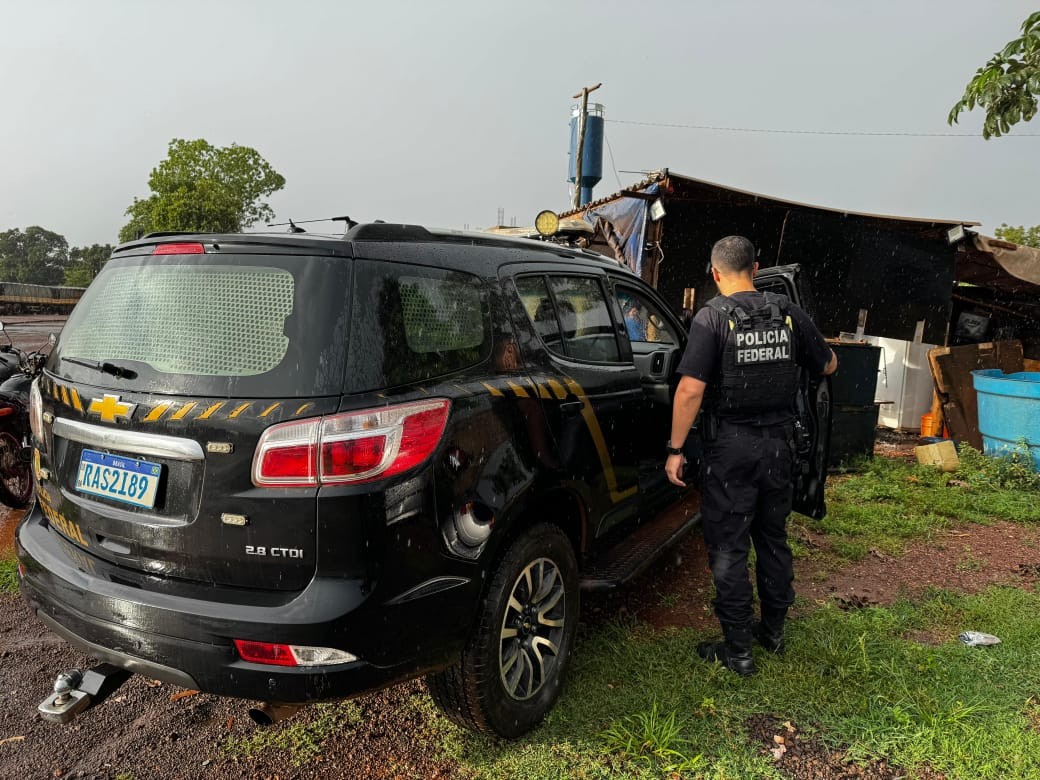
[746, 493]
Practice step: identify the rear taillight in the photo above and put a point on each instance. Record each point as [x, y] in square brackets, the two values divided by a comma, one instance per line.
[274, 654]
[351, 447]
[179, 249]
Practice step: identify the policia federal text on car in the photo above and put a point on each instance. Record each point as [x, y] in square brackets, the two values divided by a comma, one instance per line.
[742, 363]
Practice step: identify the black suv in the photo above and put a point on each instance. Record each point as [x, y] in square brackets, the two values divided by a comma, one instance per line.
[298, 467]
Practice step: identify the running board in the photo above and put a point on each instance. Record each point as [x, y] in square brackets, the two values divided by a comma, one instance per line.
[634, 554]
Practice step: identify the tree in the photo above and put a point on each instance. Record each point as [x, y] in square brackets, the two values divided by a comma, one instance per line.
[204, 188]
[1019, 235]
[1007, 86]
[36, 256]
[86, 262]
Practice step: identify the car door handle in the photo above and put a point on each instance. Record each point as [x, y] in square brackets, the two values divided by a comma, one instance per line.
[571, 407]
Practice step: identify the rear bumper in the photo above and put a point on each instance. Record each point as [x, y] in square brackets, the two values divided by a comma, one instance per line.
[189, 641]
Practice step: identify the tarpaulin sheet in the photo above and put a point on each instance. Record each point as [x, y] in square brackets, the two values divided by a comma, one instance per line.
[623, 223]
[1022, 262]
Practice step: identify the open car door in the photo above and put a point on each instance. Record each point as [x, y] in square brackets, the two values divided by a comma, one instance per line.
[813, 405]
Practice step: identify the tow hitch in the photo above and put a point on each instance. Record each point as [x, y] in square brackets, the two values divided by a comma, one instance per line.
[75, 691]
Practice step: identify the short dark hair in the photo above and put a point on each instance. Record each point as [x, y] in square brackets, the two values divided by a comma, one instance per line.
[733, 254]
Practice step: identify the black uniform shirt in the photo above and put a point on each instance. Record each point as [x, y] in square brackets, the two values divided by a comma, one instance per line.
[707, 340]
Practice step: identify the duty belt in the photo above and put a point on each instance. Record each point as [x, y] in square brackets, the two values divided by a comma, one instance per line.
[781, 431]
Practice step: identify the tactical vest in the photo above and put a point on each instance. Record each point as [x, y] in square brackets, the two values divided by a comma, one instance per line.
[758, 372]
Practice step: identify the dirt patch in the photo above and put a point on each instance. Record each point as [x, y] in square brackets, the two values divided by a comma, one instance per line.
[142, 731]
[8, 522]
[801, 756]
[889, 443]
[677, 592]
[968, 560]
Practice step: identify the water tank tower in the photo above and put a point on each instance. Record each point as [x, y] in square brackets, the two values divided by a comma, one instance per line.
[592, 152]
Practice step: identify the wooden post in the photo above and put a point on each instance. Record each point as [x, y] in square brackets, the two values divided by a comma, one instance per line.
[580, 151]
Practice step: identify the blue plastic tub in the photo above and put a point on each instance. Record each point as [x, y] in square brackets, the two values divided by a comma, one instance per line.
[1009, 410]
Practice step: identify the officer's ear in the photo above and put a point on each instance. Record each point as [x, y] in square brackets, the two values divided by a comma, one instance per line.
[754, 270]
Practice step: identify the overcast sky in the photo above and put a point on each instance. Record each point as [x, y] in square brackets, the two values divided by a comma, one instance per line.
[441, 112]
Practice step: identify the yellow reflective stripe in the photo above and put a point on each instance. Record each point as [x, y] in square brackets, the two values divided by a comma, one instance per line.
[211, 410]
[493, 390]
[238, 410]
[543, 392]
[158, 411]
[76, 402]
[181, 413]
[601, 444]
[789, 323]
[558, 389]
[520, 392]
[302, 409]
[270, 408]
[65, 395]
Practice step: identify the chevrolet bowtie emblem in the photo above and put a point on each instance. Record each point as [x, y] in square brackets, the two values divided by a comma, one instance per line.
[110, 408]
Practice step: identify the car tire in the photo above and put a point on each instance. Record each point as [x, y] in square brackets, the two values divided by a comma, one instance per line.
[16, 484]
[512, 666]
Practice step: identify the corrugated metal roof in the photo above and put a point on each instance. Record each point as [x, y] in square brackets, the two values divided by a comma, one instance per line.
[681, 180]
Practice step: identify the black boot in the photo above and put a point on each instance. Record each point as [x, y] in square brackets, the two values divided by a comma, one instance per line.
[769, 631]
[734, 653]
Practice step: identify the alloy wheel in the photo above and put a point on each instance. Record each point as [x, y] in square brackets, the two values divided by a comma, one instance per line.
[532, 629]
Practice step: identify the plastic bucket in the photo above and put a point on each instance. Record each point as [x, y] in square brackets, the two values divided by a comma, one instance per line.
[1009, 411]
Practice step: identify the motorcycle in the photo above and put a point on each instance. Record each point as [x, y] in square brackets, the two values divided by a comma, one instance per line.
[16, 483]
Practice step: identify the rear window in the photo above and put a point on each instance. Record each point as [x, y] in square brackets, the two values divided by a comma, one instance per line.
[413, 323]
[235, 325]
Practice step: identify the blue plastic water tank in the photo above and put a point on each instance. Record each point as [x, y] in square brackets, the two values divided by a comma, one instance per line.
[591, 152]
[1009, 410]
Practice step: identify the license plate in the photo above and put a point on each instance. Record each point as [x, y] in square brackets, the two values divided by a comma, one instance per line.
[118, 478]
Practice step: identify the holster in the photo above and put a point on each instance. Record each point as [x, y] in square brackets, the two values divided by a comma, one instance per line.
[709, 425]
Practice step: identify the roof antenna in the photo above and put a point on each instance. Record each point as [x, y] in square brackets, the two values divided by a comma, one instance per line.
[294, 228]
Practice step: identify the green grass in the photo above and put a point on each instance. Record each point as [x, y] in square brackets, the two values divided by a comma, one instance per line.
[640, 704]
[8, 576]
[301, 737]
[887, 503]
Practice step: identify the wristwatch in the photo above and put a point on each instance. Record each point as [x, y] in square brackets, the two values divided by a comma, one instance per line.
[673, 450]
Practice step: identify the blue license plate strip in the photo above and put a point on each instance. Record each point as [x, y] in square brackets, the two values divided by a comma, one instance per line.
[118, 478]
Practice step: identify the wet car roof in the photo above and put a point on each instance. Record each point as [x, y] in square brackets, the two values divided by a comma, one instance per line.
[383, 241]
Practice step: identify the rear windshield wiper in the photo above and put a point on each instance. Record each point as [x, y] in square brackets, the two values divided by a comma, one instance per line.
[105, 367]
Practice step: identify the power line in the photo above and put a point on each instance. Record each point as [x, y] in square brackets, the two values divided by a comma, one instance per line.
[898, 133]
[612, 163]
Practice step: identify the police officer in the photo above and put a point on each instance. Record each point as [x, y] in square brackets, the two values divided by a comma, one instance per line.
[741, 363]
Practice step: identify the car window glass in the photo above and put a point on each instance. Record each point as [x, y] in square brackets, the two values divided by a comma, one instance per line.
[440, 315]
[252, 325]
[414, 323]
[643, 319]
[535, 296]
[588, 331]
